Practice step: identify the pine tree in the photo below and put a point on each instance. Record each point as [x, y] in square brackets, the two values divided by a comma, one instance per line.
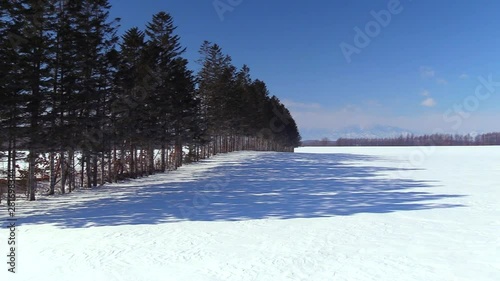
[9, 89]
[96, 39]
[128, 106]
[172, 103]
[184, 106]
[216, 85]
[31, 23]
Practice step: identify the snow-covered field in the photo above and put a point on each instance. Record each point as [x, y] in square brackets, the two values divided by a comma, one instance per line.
[403, 213]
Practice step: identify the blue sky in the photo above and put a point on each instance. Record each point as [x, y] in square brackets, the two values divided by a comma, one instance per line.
[420, 70]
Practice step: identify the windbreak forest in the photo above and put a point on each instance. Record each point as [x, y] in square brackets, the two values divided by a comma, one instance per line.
[82, 105]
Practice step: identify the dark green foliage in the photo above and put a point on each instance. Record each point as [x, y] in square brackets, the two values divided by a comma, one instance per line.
[236, 105]
[101, 107]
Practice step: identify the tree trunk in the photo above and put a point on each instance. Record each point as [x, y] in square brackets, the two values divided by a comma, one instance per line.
[103, 168]
[115, 167]
[111, 159]
[82, 171]
[178, 153]
[198, 152]
[141, 159]
[89, 170]
[70, 170]
[137, 162]
[151, 157]
[14, 166]
[9, 172]
[31, 177]
[64, 169]
[132, 162]
[95, 168]
[163, 166]
[53, 173]
[214, 146]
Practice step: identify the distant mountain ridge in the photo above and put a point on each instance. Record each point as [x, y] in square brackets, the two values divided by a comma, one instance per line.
[369, 132]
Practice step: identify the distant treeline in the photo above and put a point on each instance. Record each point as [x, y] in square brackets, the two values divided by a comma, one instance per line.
[412, 140]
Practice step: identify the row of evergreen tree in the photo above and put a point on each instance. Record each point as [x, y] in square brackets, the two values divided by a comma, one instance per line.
[424, 140]
[99, 107]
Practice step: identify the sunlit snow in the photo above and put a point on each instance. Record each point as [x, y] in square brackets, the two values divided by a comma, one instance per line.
[404, 213]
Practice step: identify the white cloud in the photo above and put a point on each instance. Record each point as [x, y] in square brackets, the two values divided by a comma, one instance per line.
[429, 102]
[441, 81]
[300, 105]
[427, 72]
[371, 103]
[463, 76]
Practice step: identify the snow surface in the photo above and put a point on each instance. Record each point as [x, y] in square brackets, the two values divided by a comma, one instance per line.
[405, 213]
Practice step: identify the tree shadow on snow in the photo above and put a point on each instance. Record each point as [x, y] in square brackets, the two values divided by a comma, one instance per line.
[272, 185]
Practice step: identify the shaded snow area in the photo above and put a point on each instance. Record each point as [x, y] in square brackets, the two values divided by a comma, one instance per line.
[320, 214]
